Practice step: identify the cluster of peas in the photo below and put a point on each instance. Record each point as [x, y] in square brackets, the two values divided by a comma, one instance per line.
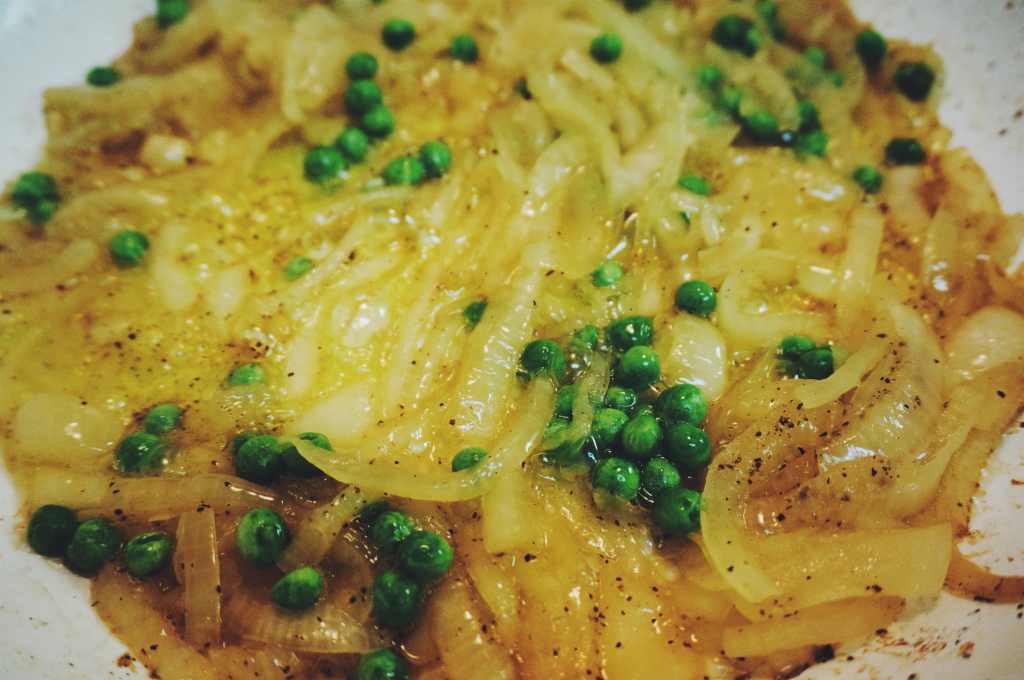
[640, 443]
[261, 537]
[800, 357]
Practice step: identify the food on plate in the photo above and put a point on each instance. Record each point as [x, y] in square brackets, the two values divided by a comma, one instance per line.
[528, 340]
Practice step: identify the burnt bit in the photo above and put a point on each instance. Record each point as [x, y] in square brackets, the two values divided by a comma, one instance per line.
[824, 653]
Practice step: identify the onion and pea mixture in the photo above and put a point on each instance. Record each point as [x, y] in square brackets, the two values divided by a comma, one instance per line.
[520, 340]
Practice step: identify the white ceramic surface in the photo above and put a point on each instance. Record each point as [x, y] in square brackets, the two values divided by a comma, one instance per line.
[47, 628]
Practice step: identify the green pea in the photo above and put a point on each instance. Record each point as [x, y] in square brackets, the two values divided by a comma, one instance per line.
[140, 452]
[687, 447]
[621, 398]
[616, 476]
[606, 48]
[170, 12]
[639, 368]
[473, 312]
[369, 513]
[247, 374]
[323, 164]
[697, 298]
[398, 34]
[710, 77]
[914, 80]
[523, 90]
[869, 178]
[298, 589]
[817, 364]
[396, 599]
[677, 511]
[695, 184]
[564, 400]
[641, 437]
[683, 403]
[128, 247]
[588, 335]
[425, 556]
[816, 56]
[361, 66]
[630, 331]
[464, 49]
[607, 273]
[836, 78]
[810, 119]
[731, 99]
[50, 530]
[871, 48]
[162, 419]
[361, 96]
[148, 553]
[259, 460]
[382, 664]
[36, 193]
[353, 144]
[905, 151]
[390, 529]
[297, 267]
[793, 346]
[468, 458]
[94, 542]
[543, 356]
[657, 477]
[636, 5]
[608, 423]
[736, 33]
[241, 438]
[436, 158]
[404, 170]
[261, 537]
[761, 125]
[769, 11]
[813, 143]
[298, 466]
[102, 76]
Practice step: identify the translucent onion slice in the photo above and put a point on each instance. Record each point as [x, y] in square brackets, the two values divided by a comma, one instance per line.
[318, 532]
[196, 559]
[468, 653]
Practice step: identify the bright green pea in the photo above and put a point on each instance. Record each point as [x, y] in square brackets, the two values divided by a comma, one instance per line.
[468, 458]
[914, 80]
[731, 99]
[94, 542]
[140, 452]
[607, 273]
[298, 589]
[396, 599]
[813, 143]
[404, 170]
[50, 530]
[816, 56]
[148, 553]
[382, 664]
[361, 96]
[361, 66]
[464, 49]
[617, 476]
[170, 12]
[353, 144]
[36, 193]
[710, 77]
[677, 511]
[425, 556]
[588, 335]
[871, 48]
[641, 437]
[606, 48]
[102, 76]
[683, 403]
[564, 400]
[817, 364]
[398, 34]
[761, 125]
[390, 529]
[298, 466]
[639, 368]
[621, 398]
[240, 439]
[810, 119]
[697, 298]
[162, 419]
[323, 164]
[247, 374]
[658, 476]
[128, 247]
[436, 158]
[695, 184]
[687, 447]
[905, 151]
[869, 178]
[473, 312]
[297, 267]
[736, 33]
[793, 346]
[259, 460]
[261, 537]
[608, 423]
[543, 356]
[630, 331]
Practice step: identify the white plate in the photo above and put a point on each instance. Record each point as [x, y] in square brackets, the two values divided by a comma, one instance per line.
[47, 628]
